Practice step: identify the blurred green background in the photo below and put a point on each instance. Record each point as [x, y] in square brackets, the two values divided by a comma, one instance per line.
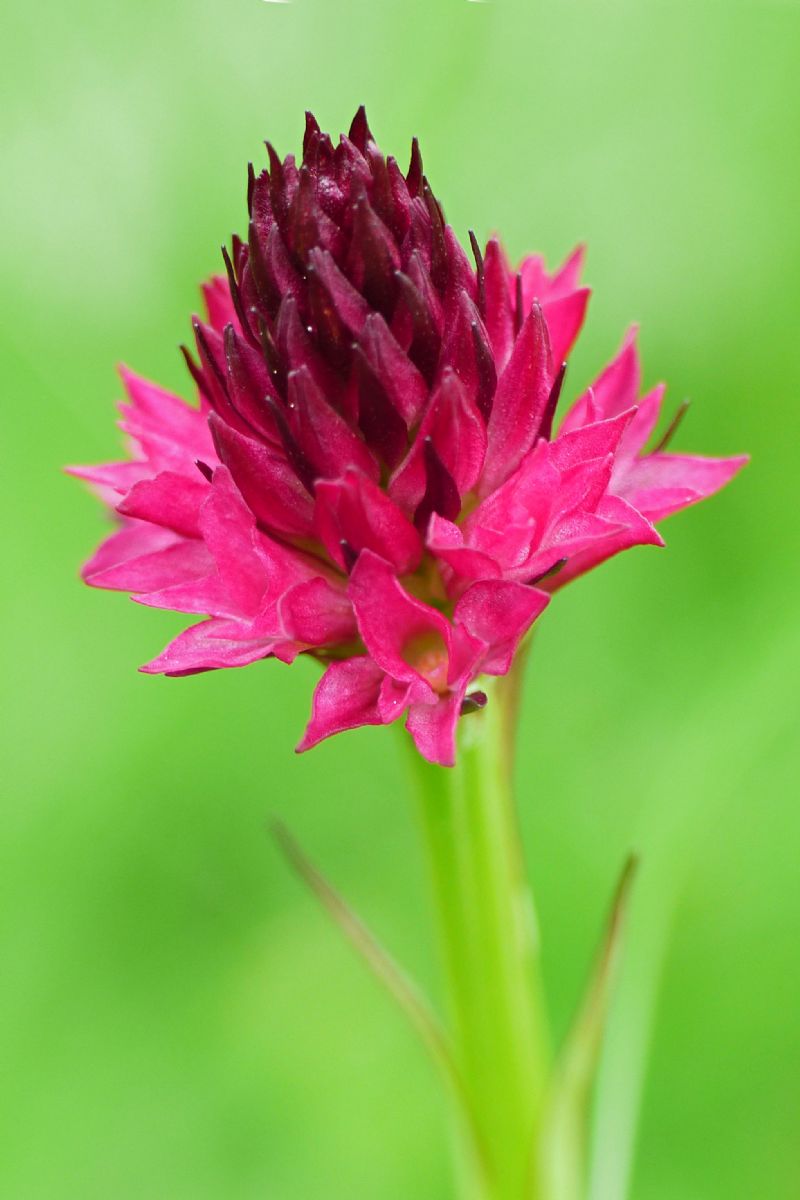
[178, 1020]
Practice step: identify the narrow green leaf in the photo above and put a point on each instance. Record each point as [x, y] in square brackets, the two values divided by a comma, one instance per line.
[392, 976]
[563, 1130]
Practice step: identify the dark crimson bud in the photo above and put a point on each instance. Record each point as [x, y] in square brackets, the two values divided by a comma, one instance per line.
[415, 172]
[277, 186]
[267, 294]
[485, 369]
[481, 281]
[248, 383]
[273, 360]
[236, 297]
[425, 340]
[439, 271]
[295, 456]
[303, 225]
[196, 373]
[213, 368]
[312, 132]
[325, 322]
[381, 424]
[474, 702]
[373, 258]
[360, 132]
[441, 494]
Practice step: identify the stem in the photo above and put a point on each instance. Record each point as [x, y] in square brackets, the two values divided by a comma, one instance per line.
[489, 942]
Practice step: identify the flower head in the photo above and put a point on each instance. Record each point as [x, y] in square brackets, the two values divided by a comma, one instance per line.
[370, 474]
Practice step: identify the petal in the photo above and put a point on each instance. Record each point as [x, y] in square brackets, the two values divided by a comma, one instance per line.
[500, 613]
[393, 624]
[345, 697]
[354, 510]
[209, 646]
[323, 435]
[458, 434]
[317, 614]
[596, 440]
[499, 311]
[112, 480]
[642, 425]
[400, 379]
[170, 433]
[568, 275]
[661, 484]
[141, 558]
[445, 541]
[169, 499]
[433, 728]
[228, 528]
[267, 482]
[615, 389]
[219, 306]
[519, 403]
[627, 528]
[565, 316]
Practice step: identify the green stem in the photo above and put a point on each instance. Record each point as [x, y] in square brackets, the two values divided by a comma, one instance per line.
[489, 943]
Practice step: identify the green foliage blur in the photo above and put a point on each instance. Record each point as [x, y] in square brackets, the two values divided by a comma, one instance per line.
[179, 1021]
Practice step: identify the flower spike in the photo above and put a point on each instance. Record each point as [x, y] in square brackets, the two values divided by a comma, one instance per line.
[371, 473]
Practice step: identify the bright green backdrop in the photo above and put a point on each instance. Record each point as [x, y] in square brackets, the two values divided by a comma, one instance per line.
[179, 1022]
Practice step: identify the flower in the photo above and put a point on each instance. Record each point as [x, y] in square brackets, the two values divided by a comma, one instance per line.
[370, 474]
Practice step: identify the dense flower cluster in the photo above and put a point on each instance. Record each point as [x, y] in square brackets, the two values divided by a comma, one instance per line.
[371, 475]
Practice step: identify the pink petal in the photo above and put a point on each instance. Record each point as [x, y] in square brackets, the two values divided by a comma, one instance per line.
[112, 480]
[615, 390]
[519, 403]
[627, 528]
[345, 697]
[445, 541]
[322, 434]
[661, 484]
[228, 528]
[169, 499]
[219, 306]
[268, 484]
[209, 646]
[568, 275]
[456, 428]
[499, 311]
[641, 427]
[170, 432]
[317, 614]
[141, 558]
[393, 624]
[565, 316]
[499, 613]
[538, 284]
[433, 728]
[596, 440]
[354, 510]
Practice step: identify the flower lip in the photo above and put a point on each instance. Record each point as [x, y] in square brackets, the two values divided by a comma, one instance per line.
[427, 654]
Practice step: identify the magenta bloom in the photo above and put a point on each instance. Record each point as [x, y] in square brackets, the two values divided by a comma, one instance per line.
[370, 474]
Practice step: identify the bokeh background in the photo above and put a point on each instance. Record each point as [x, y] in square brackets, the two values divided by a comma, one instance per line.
[178, 1020]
